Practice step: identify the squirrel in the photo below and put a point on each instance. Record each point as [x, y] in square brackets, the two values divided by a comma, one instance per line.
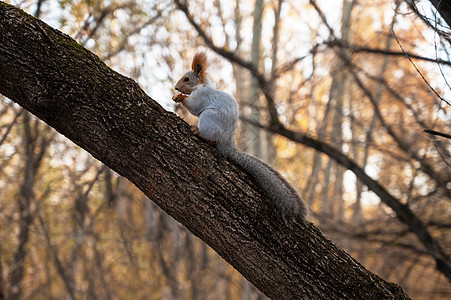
[218, 119]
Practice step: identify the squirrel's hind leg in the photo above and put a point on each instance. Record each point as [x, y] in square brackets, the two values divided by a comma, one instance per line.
[195, 130]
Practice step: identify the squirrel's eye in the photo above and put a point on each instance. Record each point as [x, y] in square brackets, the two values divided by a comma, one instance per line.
[186, 79]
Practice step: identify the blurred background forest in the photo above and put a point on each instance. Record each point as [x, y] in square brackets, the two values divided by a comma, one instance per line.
[365, 77]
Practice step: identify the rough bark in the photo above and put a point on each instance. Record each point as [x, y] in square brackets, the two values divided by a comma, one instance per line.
[107, 114]
[403, 212]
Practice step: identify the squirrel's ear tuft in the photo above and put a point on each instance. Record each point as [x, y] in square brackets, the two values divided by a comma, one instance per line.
[199, 65]
[198, 68]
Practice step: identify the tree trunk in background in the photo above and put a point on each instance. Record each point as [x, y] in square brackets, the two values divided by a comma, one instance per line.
[317, 157]
[269, 147]
[357, 217]
[26, 195]
[35, 141]
[255, 138]
[348, 5]
[339, 78]
[68, 282]
[108, 115]
[241, 85]
[335, 97]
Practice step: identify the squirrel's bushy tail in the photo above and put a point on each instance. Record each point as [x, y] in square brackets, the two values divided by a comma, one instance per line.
[283, 196]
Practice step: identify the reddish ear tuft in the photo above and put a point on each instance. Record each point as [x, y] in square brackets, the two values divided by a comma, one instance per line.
[199, 65]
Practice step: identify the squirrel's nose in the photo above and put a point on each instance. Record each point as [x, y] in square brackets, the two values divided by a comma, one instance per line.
[177, 89]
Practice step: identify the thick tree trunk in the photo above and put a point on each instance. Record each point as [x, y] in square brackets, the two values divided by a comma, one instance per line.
[107, 114]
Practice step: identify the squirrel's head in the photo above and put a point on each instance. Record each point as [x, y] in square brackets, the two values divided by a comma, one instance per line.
[192, 79]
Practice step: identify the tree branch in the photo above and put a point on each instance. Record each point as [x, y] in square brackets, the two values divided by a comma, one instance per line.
[358, 48]
[433, 132]
[403, 212]
[109, 115]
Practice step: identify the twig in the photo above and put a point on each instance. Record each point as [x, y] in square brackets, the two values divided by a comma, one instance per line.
[419, 72]
[357, 48]
[445, 135]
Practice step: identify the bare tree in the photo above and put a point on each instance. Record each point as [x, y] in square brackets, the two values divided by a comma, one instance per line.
[403, 212]
[72, 90]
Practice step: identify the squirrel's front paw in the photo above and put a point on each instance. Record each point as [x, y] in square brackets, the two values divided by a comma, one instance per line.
[179, 98]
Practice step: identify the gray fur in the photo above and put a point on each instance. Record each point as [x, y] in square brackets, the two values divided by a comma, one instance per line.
[282, 194]
[218, 119]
